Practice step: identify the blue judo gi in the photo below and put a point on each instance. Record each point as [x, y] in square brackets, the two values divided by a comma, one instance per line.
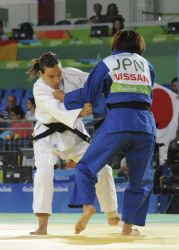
[128, 78]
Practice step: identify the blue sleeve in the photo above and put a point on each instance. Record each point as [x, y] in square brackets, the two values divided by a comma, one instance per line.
[92, 90]
[100, 107]
[152, 73]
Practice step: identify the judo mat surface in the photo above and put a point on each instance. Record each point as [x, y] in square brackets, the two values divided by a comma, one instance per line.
[161, 232]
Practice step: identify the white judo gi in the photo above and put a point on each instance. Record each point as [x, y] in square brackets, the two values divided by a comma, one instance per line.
[66, 145]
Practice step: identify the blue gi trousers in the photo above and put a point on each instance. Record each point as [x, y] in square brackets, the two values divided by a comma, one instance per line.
[138, 148]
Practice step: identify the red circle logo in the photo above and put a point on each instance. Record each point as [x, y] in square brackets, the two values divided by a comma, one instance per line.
[162, 108]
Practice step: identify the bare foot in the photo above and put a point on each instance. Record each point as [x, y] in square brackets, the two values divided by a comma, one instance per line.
[43, 223]
[127, 230]
[39, 232]
[113, 221]
[133, 232]
[88, 211]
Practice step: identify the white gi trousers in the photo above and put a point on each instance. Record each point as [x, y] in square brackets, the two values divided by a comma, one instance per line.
[46, 157]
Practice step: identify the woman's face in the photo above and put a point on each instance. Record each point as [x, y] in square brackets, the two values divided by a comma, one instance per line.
[97, 9]
[112, 10]
[52, 76]
[29, 105]
[117, 25]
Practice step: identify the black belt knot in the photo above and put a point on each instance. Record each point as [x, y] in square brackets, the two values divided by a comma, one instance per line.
[133, 105]
[60, 127]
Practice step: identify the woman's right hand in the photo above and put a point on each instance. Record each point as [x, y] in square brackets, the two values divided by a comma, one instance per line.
[87, 110]
[59, 94]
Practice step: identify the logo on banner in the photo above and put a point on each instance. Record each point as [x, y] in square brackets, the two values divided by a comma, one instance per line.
[121, 187]
[61, 189]
[4, 189]
[27, 189]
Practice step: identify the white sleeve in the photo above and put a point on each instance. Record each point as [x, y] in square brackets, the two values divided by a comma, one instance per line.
[56, 109]
[73, 78]
[83, 78]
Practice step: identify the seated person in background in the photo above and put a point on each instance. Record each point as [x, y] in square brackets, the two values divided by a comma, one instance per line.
[174, 85]
[27, 28]
[21, 129]
[167, 200]
[30, 114]
[112, 14]
[70, 164]
[18, 128]
[11, 104]
[3, 36]
[98, 18]
[118, 24]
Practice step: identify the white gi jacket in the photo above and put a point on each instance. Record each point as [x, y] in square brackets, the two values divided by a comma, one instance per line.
[51, 110]
[66, 145]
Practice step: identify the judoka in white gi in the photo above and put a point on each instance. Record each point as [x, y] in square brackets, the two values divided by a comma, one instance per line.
[66, 145]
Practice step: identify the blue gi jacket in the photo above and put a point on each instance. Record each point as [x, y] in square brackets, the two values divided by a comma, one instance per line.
[127, 78]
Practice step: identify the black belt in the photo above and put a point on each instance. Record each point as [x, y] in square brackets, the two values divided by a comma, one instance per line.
[133, 105]
[60, 127]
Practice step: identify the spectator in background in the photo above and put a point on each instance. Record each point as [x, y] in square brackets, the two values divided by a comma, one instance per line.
[112, 14]
[174, 85]
[20, 129]
[163, 182]
[26, 28]
[30, 114]
[3, 36]
[118, 24]
[11, 103]
[98, 18]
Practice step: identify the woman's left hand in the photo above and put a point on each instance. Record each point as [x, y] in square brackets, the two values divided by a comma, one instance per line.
[59, 94]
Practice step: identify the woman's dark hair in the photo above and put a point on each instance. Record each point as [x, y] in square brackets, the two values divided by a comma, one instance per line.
[121, 20]
[18, 111]
[129, 41]
[112, 5]
[175, 79]
[97, 4]
[32, 100]
[38, 65]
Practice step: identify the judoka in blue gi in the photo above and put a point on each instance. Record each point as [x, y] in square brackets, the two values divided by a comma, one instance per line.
[128, 127]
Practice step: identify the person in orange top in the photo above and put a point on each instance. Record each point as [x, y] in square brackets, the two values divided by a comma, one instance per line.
[21, 129]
